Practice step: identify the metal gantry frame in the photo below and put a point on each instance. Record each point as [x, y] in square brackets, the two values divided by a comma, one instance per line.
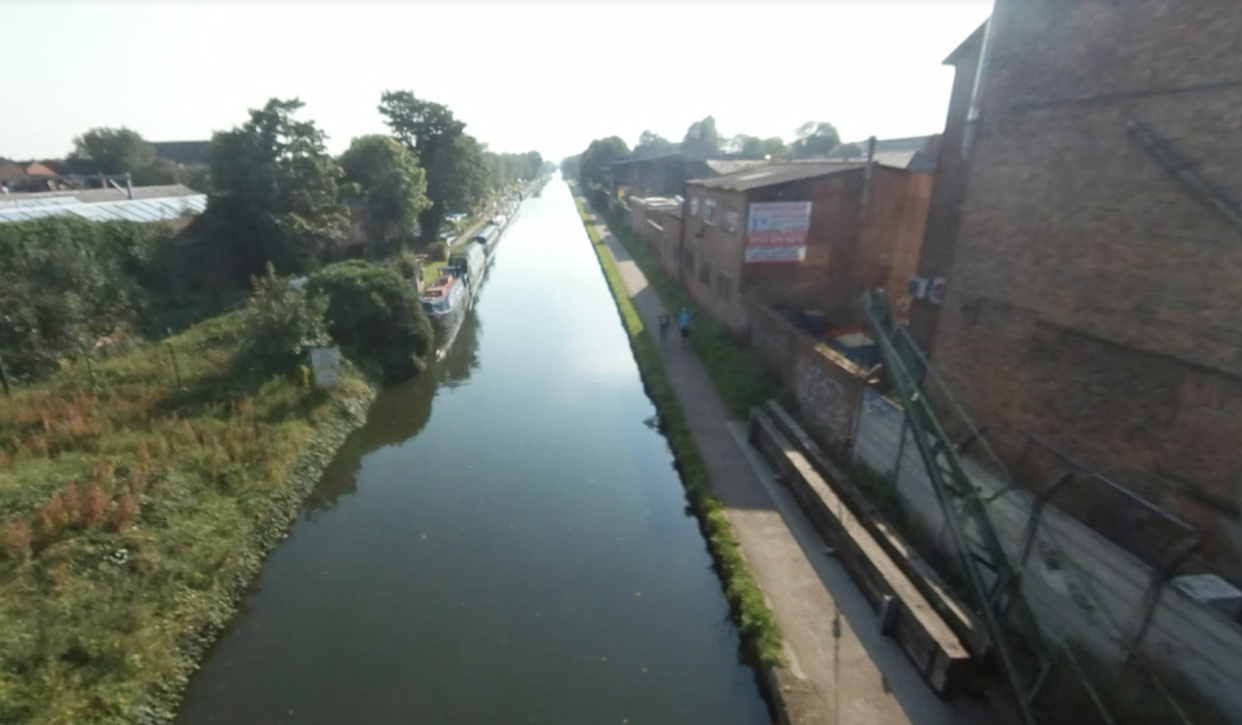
[993, 579]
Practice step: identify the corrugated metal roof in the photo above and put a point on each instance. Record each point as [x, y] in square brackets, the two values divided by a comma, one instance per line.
[732, 166]
[110, 194]
[773, 174]
[137, 210]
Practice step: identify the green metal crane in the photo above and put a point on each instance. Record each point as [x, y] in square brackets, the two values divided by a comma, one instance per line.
[993, 579]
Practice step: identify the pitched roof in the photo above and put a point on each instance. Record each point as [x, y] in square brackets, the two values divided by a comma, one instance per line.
[773, 174]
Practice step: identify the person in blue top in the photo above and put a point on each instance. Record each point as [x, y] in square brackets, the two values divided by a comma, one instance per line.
[683, 321]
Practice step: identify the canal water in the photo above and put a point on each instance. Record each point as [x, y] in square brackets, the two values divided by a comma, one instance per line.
[505, 541]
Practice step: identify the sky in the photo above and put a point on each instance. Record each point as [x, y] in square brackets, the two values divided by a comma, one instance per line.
[548, 77]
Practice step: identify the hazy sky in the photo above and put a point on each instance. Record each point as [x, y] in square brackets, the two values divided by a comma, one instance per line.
[548, 77]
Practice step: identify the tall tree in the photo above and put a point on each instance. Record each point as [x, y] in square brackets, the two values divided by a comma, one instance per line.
[571, 166]
[119, 151]
[390, 184]
[753, 147]
[432, 132]
[702, 141]
[815, 139]
[110, 151]
[653, 144]
[597, 158]
[274, 191]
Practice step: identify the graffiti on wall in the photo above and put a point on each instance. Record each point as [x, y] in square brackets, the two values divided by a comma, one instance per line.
[822, 400]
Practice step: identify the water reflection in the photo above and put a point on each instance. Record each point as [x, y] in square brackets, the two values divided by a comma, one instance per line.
[522, 556]
[397, 415]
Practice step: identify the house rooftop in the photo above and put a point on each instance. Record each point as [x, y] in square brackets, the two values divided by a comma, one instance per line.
[773, 174]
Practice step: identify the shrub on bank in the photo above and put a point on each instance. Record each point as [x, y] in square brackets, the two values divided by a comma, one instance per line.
[65, 282]
[438, 251]
[280, 325]
[375, 316]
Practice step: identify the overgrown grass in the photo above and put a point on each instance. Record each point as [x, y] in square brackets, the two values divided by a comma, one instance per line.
[135, 509]
[737, 372]
[760, 636]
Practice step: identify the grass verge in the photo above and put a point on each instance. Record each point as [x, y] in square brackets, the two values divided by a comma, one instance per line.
[137, 499]
[761, 639]
[736, 371]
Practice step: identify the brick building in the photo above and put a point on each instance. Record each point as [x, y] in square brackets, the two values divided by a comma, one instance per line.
[1089, 228]
[864, 229]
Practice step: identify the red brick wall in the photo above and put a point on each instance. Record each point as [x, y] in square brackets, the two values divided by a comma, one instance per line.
[716, 251]
[820, 282]
[1091, 299]
[892, 234]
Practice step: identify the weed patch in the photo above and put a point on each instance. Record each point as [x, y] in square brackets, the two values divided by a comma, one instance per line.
[135, 505]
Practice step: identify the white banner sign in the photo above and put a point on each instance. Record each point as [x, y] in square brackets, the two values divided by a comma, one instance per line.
[325, 360]
[776, 231]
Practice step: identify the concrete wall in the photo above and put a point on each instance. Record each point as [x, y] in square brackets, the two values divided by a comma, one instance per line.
[1082, 587]
[1091, 299]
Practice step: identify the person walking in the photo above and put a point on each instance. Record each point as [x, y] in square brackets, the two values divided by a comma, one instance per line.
[683, 322]
[665, 321]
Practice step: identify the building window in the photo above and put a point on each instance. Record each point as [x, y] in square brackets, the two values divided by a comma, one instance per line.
[709, 211]
[731, 219]
[724, 286]
[694, 206]
[705, 274]
[687, 260]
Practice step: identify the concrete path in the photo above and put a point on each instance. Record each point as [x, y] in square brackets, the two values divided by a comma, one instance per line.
[841, 670]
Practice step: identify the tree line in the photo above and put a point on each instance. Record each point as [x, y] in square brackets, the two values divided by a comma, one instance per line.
[702, 140]
[277, 200]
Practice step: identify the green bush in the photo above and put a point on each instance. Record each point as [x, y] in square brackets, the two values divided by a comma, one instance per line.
[408, 265]
[280, 325]
[65, 282]
[375, 316]
[438, 252]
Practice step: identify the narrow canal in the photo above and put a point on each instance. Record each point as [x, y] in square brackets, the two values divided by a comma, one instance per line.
[505, 541]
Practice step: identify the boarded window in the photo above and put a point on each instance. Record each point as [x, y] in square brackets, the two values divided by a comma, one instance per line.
[694, 206]
[731, 219]
[709, 211]
[705, 274]
[724, 286]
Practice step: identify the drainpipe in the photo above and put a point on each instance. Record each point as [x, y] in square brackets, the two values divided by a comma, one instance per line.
[867, 172]
[976, 91]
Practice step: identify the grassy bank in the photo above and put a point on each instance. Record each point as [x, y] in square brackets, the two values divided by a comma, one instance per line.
[137, 498]
[737, 373]
[760, 636]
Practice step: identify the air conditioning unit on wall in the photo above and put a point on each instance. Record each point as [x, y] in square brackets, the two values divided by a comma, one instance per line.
[917, 287]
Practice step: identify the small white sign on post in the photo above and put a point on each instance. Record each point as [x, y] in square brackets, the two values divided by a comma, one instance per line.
[324, 361]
